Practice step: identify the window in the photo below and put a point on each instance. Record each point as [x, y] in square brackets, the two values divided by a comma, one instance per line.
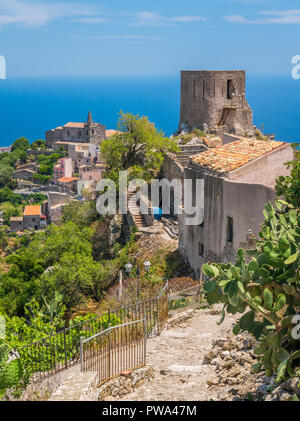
[229, 229]
[201, 249]
[194, 88]
[230, 89]
[79, 133]
[68, 133]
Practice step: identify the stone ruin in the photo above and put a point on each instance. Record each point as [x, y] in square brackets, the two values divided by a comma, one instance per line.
[214, 101]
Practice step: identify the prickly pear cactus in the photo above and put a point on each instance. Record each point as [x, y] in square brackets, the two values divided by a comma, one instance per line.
[267, 284]
[10, 368]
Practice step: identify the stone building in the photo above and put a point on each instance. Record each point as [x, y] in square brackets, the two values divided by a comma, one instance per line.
[68, 184]
[89, 174]
[16, 223]
[30, 166]
[63, 168]
[83, 154]
[239, 179]
[5, 149]
[32, 217]
[88, 132]
[215, 100]
[24, 174]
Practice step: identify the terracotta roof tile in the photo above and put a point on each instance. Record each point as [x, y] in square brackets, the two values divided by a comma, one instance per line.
[212, 142]
[76, 125]
[67, 179]
[233, 155]
[111, 132]
[33, 210]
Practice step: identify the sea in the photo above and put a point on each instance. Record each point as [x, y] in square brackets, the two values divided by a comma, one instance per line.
[29, 107]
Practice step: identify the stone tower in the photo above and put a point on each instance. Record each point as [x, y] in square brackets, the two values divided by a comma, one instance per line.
[89, 119]
[216, 99]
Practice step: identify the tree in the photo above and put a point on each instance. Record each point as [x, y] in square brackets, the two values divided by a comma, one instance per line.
[29, 263]
[6, 195]
[21, 143]
[138, 146]
[9, 211]
[82, 214]
[75, 277]
[6, 173]
[38, 144]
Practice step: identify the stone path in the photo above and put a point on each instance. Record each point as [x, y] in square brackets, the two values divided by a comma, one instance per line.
[75, 387]
[177, 356]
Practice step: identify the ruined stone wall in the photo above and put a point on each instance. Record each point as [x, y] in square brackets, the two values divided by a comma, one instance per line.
[215, 98]
[53, 136]
[171, 168]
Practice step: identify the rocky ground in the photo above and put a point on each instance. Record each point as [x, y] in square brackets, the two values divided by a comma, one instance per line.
[197, 359]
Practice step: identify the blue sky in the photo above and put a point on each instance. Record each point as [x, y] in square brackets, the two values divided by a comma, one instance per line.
[157, 37]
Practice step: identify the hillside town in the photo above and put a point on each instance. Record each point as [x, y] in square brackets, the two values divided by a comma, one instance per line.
[80, 288]
[217, 142]
[74, 175]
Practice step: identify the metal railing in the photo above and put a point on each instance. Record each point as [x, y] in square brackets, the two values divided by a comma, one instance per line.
[162, 308]
[187, 298]
[61, 350]
[114, 350]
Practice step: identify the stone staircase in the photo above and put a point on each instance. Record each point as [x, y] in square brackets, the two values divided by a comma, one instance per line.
[138, 218]
[75, 387]
[189, 150]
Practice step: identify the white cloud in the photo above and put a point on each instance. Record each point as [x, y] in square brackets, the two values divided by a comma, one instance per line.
[187, 19]
[272, 17]
[32, 13]
[89, 20]
[155, 19]
[281, 12]
[38, 14]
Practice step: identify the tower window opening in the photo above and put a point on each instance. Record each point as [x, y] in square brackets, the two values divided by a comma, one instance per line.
[230, 89]
[229, 229]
